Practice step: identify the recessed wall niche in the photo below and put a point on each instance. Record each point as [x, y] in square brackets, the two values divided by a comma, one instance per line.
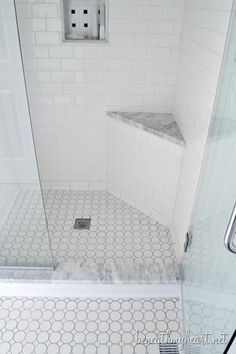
[85, 20]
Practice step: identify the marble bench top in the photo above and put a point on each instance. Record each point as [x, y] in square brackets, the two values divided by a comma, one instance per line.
[161, 124]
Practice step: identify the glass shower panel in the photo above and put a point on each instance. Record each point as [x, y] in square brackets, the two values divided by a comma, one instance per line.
[24, 239]
[209, 269]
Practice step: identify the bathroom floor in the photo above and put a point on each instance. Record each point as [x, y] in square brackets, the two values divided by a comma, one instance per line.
[86, 326]
[118, 232]
[119, 236]
[23, 228]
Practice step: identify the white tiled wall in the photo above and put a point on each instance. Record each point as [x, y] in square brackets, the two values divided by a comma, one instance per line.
[205, 25]
[143, 169]
[72, 85]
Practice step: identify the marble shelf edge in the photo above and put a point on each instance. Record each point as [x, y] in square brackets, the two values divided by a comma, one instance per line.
[159, 124]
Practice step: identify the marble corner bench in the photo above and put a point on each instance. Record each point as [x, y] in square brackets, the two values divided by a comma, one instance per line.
[144, 156]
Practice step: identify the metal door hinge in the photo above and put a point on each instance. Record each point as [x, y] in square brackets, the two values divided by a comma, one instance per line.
[230, 235]
[188, 241]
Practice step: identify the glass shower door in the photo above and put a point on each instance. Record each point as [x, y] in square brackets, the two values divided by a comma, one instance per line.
[24, 239]
[209, 268]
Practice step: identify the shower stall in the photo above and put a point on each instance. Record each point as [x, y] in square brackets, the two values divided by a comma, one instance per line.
[92, 234]
[116, 232]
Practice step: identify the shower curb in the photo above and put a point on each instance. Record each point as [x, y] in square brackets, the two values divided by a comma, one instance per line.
[89, 290]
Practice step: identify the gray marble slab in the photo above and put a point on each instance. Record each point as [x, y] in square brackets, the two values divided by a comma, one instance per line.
[161, 124]
[97, 273]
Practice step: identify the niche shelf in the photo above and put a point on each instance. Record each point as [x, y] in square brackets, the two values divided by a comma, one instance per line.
[85, 20]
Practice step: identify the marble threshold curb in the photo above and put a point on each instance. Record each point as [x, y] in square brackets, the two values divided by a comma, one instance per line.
[92, 280]
[89, 290]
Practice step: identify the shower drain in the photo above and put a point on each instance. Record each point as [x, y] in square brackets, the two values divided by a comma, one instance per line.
[171, 348]
[82, 224]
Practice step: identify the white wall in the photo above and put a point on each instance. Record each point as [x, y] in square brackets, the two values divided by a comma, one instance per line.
[143, 169]
[72, 85]
[205, 24]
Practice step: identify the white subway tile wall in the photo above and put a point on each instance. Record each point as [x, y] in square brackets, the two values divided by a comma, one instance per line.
[205, 25]
[143, 169]
[72, 85]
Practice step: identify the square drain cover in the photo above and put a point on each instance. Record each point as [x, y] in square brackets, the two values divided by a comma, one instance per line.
[82, 224]
[171, 348]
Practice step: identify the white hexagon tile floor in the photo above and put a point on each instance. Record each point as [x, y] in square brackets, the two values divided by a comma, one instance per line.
[85, 326]
[120, 235]
[23, 229]
[117, 230]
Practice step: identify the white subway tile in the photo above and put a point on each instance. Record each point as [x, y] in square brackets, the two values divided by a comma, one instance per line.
[40, 99]
[134, 53]
[110, 52]
[38, 76]
[169, 41]
[64, 185]
[40, 51]
[24, 10]
[135, 26]
[60, 51]
[72, 64]
[164, 66]
[121, 11]
[97, 185]
[116, 25]
[28, 38]
[120, 65]
[96, 65]
[147, 40]
[159, 53]
[86, 77]
[78, 51]
[54, 24]
[34, 88]
[160, 27]
[204, 26]
[48, 64]
[78, 83]
[161, 78]
[133, 77]
[44, 10]
[63, 76]
[133, 161]
[172, 13]
[74, 88]
[122, 39]
[49, 87]
[144, 65]
[80, 185]
[150, 12]
[32, 24]
[47, 38]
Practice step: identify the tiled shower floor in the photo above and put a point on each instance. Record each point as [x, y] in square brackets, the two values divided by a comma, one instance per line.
[120, 236]
[85, 326]
[118, 232]
[121, 239]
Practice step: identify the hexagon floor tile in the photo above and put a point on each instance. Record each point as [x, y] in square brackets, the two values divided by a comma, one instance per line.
[85, 326]
[119, 234]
